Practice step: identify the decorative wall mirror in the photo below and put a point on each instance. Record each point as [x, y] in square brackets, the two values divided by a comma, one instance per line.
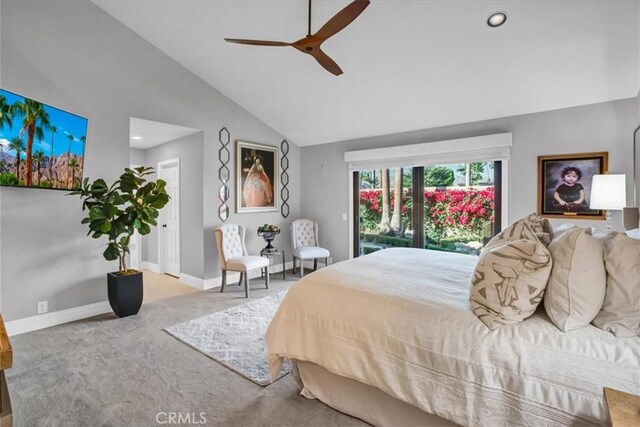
[223, 173]
[284, 178]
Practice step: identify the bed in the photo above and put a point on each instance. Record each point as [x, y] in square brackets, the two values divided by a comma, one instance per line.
[396, 329]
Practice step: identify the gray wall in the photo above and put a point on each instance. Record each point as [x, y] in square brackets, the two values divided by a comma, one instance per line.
[78, 58]
[598, 127]
[137, 156]
[189, 151]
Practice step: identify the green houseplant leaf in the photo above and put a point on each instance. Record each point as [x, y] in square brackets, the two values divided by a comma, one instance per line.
[131, 203]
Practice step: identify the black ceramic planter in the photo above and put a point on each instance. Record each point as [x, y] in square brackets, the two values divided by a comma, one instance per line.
[125, 293]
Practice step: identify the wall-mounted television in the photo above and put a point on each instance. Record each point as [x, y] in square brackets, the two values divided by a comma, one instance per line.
[40, 146]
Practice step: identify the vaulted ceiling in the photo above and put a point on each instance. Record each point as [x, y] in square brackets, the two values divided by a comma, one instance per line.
[407, 64]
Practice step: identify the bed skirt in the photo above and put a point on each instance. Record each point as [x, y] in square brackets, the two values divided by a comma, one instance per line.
[359, 400]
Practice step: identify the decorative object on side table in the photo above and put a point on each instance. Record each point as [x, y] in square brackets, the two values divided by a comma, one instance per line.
[256, 177]
[130, 204]
[284, 178]
[223, 173]
[268, 233]
[564, 184]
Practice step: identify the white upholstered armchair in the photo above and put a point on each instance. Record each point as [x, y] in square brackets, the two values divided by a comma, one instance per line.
[304, 234]
[233, 256]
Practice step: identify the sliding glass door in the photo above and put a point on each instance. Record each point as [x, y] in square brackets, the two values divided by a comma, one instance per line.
[452, 207]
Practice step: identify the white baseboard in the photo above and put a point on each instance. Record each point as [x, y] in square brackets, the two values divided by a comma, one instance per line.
[41, 321]
[216, 282]
[146, 265]
[194, 282]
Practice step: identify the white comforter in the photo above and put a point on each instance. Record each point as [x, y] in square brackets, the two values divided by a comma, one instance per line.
[400, 320]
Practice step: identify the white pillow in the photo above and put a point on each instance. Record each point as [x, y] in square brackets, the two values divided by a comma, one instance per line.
[620, 313]
[577, 284]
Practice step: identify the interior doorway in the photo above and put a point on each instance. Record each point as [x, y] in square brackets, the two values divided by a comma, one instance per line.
[174, 152]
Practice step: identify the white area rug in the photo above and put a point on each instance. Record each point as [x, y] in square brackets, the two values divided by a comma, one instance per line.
[235, 337]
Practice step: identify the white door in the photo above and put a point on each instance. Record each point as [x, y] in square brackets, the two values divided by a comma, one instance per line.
[169, 224]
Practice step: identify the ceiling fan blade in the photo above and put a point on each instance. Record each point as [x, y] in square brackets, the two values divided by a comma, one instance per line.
[328, 63]
[341, 19]
[257, 42]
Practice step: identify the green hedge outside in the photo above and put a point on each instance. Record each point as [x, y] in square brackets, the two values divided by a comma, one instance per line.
[399, 242]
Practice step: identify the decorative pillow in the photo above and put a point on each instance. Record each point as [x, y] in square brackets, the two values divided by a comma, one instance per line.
[531, 227]
[620, 312]
[509, 281]
[567, 226]
[576, 287]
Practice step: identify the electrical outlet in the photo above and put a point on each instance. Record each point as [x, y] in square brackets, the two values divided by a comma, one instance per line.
[344, 216]
[43, 307]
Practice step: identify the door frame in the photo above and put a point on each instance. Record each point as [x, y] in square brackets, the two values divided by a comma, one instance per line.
[162, 165]
[136, 238]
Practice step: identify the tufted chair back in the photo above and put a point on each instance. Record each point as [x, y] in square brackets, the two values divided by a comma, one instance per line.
[304, 232]
[230, 241]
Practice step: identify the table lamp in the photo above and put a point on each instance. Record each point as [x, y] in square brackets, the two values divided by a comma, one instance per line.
[608, 192]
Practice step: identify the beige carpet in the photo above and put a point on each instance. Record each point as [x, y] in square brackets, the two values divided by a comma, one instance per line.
[126, 372]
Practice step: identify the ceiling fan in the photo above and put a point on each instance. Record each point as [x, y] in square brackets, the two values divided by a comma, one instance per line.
[311, 43]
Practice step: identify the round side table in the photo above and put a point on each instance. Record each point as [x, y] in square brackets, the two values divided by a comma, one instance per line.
[273, 255]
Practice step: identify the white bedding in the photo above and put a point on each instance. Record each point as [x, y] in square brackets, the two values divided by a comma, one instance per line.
[400, 320]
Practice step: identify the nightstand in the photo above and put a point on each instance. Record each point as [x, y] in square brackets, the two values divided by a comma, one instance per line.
[623, 408]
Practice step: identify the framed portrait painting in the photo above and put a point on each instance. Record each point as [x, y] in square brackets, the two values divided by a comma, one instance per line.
[256, 177]
[564, 184]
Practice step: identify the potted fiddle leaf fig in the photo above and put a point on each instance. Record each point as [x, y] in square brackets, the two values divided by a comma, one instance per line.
[130, 204]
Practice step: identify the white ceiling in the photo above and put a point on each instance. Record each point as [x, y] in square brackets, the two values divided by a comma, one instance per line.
[408, 64]
[154, 133]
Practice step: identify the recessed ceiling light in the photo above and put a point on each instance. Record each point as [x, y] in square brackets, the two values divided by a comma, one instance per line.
[136, 137]
[496, 19]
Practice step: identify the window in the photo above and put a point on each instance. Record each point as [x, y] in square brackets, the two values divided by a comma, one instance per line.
[490, 154]
[451, 207]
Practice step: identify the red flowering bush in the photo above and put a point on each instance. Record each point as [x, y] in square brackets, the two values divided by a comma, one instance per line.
[458, 213]
[371, 208]
[453, 213]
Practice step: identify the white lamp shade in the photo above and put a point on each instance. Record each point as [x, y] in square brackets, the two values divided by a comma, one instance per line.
[608, 192]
